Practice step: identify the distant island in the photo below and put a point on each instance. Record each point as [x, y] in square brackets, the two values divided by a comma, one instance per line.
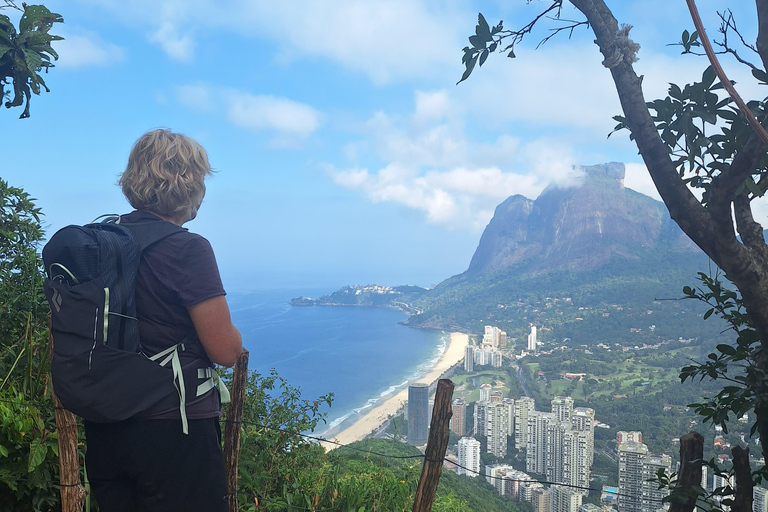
[397, 297]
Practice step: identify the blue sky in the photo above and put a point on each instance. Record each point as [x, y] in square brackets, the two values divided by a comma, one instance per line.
[344, 151]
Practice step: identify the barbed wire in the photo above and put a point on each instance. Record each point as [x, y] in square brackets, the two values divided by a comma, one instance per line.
[371, 452]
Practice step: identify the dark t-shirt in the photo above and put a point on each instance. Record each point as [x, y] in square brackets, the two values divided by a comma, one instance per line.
[176, 272]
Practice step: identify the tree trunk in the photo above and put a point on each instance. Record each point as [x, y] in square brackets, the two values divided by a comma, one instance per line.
[72, 491]
[711, 228]
[439, 431]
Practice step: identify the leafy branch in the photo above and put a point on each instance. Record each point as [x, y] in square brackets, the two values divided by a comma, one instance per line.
[26, 52]
[489, 39]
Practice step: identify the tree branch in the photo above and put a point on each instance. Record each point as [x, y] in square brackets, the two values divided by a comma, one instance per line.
[751, 232]
[762, 31]
[683, 206]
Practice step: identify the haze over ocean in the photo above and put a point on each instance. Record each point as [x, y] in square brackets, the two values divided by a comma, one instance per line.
[358, 353]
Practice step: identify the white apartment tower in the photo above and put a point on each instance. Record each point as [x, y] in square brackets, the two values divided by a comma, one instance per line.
[583, 420]
[532, 339]
[631, 458]
[759, 499]
[469, 457]
[497, 428]
[636, 468]
[562, 408]
[459, 418]
[524, 406]
[652, 495]
[536, 445]
[567, 457]
[485, 392]
[564, 499]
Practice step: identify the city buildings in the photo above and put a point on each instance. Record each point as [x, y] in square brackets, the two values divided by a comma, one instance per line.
[469, 457]
[564, 499]
[459, 418]
[469, 359]
[636, 467]
[497, 428]
[418, 414]
[532, 340]
[524, 406]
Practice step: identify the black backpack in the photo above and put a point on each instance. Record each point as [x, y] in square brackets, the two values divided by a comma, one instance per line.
[98, 368]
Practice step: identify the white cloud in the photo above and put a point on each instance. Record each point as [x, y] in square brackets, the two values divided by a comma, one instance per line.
[178, 47]
[288, 122]
[637, 178]
[261, 112]
[85, 50]
[386, 40]
[432, 167]
[197, 97]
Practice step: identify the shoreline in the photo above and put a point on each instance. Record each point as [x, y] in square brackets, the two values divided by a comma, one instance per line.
[381, 412]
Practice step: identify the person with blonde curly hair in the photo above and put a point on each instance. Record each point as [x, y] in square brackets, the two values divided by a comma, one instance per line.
[147, 463]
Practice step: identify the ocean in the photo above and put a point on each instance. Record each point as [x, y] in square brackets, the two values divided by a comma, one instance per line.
[361, 354]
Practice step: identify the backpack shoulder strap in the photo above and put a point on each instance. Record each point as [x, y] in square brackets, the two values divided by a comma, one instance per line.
[151, 232]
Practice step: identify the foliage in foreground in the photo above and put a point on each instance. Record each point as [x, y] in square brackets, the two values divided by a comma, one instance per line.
[28, 446]
[26, 52]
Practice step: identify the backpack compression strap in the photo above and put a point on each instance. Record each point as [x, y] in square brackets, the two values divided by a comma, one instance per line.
[171, 355]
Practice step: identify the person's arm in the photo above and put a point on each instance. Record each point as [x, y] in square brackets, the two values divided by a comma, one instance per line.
[219, 337]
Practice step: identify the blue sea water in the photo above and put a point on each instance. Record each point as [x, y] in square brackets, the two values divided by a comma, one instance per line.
[361, 354]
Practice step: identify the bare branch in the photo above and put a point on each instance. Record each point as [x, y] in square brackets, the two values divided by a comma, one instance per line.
[11, 4]
[573, 25]
[753, 122]
[518, 35]
[727, 23]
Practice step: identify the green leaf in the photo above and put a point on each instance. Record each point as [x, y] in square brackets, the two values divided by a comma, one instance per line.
[760, 75]
[708, 314]
[482, 29]
[726, 349]
[477, 42]
[708, 77]
[33, 60]
[3, 451]
[686, 37]
[470, 66]
[483, 57]
[511, 54]
[37, 451]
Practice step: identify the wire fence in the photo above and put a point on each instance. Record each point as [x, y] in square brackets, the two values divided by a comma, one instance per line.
[317, 439]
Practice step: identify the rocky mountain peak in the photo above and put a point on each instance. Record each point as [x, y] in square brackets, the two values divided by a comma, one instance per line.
[578, 228]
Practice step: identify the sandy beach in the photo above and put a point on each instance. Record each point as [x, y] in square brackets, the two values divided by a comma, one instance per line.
[454, 353]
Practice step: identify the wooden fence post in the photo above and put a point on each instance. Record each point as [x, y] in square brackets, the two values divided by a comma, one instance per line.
[742, 472]
[232, 427]
[72, 491]
[691, 455]
[437, 443]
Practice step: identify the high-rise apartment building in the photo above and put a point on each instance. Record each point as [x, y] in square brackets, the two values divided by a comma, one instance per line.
[631, 458]
[562, 408]
[469, 358]
[459, 418]
[759, 499]
[652, 495]
[583, 420]
[564, 499]
[510, 404]
[497, 428]
[485, 392]
[481, 411]
[567, 457]
[469, 456]
[495, 396]
[524, 406]
[536, 445]
[636, 468]
[532, 340]
[418, 414]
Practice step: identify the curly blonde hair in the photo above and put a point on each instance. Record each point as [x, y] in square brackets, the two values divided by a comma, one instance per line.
[166, 175]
